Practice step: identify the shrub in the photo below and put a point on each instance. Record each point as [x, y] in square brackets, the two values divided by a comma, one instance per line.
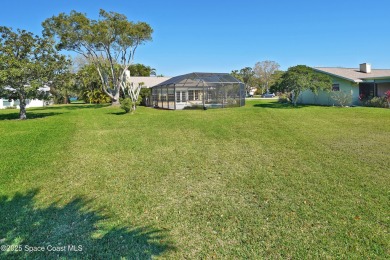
[95, 96]
[126, 104]
[284, 98]
[231, 103]
[144, 96]
[387, 96]
[342, 98]
[376, 102]
[193, 107]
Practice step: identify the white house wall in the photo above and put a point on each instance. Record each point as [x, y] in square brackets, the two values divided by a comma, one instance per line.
[4, 103]
[36, 103]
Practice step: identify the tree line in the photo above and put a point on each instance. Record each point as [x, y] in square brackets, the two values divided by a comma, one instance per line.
[266, 77]
[83, 81]
[106, 49]
[107, 45]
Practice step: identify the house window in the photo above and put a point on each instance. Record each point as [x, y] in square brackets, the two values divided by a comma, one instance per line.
[180, 96]
[196, 94]
[336, 87]
[366, 90]
[193, 94]
[190, 95]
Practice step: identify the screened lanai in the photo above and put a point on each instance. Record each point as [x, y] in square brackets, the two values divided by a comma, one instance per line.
[199, 90]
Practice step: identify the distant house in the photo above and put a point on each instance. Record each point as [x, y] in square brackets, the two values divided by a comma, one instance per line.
[252, 91]
[6, 103]
[147, 82]
[363, 81]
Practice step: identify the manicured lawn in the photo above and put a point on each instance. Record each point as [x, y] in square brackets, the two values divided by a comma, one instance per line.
[261, 181]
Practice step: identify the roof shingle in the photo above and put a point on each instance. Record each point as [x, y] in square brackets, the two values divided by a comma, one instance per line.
[354, 74]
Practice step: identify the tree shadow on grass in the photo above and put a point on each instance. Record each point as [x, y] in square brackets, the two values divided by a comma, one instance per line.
[73, 106]
[278, 105]
[30, 115]
[118, 113]
[70, 231]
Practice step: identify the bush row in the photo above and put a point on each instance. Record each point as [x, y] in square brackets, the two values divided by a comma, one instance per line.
[376, 102]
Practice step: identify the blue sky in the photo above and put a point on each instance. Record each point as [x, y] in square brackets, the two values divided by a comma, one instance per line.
[220, 36]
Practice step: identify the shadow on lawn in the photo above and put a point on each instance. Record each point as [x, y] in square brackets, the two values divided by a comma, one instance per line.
[118, 113]
[30, 115]
[73, 106]
[71, 230]
[276, 104]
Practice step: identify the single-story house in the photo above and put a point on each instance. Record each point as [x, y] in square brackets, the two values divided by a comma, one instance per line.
[363, 82]
[198, 89]
[5, 102]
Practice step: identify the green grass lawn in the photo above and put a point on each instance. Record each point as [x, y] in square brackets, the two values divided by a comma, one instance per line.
[261, 181]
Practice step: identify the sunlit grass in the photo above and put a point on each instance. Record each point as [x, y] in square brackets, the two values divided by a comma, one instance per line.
[265, 180]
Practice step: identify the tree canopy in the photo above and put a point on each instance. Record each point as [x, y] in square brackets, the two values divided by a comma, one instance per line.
[246, 75]
[276, 85]
[300, 78]
[88, 82]
[264, 71]
[141, 70]
[27, 62]
[107, 42]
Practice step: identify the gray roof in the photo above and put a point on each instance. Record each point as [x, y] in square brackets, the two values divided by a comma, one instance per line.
[354, 74]
[195, 78]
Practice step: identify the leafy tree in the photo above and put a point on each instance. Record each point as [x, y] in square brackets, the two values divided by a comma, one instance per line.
[108, 43]
[145, 94]
[246, 75]
[237, 75]
[300, 78]
[141, 70]
[27, 62]
[277, 79]
[263, 71]
[90, 86]
[63, 84]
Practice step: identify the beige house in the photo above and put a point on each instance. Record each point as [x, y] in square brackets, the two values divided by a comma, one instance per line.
[147, 82]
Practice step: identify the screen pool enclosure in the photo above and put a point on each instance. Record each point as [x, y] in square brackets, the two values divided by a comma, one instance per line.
[199, 90]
